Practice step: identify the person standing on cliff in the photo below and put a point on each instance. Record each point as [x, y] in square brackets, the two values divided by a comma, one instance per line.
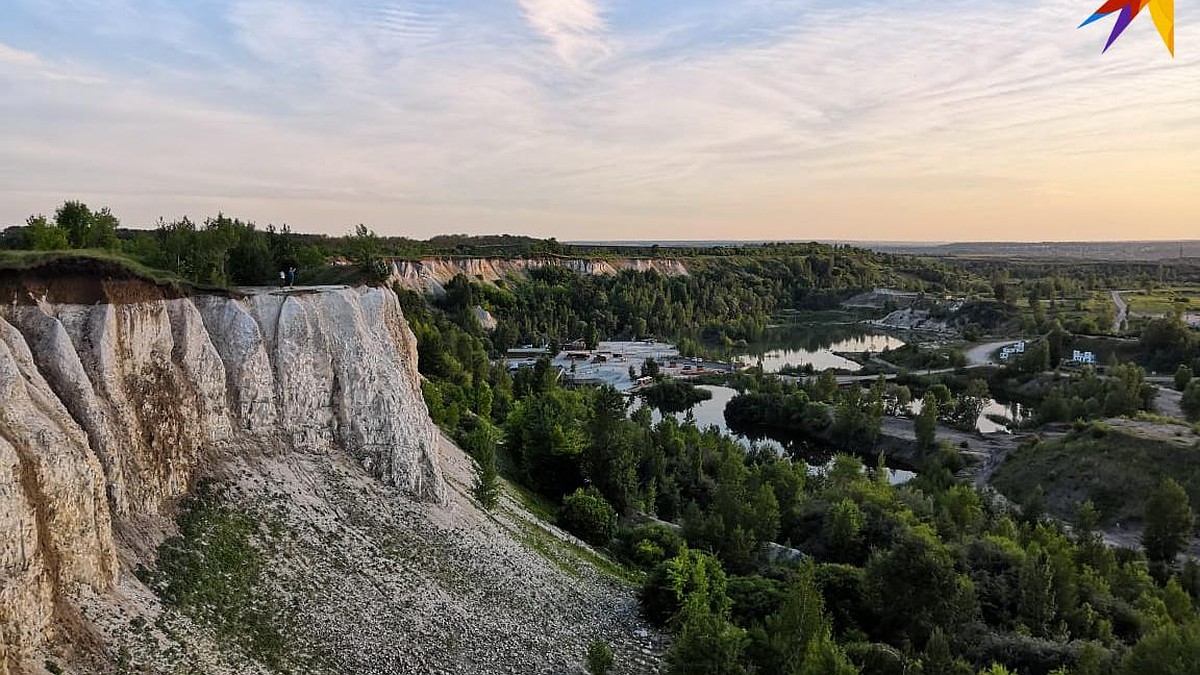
[291, 276]
[282, 278]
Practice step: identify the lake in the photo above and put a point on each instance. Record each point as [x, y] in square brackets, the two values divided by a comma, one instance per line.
[712, 413]
[808, 344]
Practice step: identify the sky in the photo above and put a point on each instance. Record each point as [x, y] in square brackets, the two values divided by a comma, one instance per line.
[606, 119]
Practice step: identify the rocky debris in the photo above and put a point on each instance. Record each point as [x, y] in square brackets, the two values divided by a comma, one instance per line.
[368, 580]
[913, 319]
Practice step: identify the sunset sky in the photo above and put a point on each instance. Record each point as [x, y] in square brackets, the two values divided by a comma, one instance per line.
[607, 119]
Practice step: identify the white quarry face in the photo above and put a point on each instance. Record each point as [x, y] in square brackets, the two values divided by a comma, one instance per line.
[111, 411]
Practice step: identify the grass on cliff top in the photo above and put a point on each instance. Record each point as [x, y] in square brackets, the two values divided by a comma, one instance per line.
[1114, 469]
[95, 262]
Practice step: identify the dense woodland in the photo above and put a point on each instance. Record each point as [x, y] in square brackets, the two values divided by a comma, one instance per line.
[754, 563]
[758, 565]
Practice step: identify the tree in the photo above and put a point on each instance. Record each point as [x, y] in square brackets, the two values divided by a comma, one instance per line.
[365, 250]
[926, 423]
[1190, 401]
[915, 587]
[1036, 604]
[74, 218]
[800, 635]
[1183, 376]
[1056, 343]
[707, 643]
[85, 229]
[1169, 521]
[826, 387]
[650, 368]
[43, 236]
[599, 658]
[843, 530]
[971, 404]
[1171, 650]
[588, 516]
[481, 443]
[610, 459]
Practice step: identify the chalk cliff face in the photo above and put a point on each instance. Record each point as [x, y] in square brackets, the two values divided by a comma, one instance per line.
[429, 275]
[114, 405]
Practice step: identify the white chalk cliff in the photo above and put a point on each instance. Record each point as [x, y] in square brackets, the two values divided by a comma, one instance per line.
[429, 275]
[112, 407]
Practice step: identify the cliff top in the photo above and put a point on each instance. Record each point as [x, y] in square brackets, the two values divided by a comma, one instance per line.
[87, 277]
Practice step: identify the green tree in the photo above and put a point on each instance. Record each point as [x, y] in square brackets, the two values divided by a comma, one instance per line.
[481, 443]
[43, 236]
[826, 387]
[85, 229]
[916, 586]
[707, 644]
[610, 460]
[366, 251]
[1056, 343]
[1169, 521]
[925, 424]
[1037, 605]
[587, 515]
[800, 635]
[1171, 650]
[599, 658]
[650, 368]
[74, 218]
[843, 530]
[1183, 376]
[1190, 401]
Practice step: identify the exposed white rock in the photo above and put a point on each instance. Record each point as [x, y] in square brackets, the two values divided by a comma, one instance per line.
[430, 275]
[109, 412]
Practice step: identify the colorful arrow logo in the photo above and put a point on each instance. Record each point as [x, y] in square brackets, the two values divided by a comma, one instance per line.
[1163, 12]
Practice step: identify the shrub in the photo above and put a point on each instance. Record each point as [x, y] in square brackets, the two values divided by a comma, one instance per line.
[599, 658]
[587, 515]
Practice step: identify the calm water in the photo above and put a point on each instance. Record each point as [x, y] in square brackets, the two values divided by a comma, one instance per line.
[799, 345]
[712, 413]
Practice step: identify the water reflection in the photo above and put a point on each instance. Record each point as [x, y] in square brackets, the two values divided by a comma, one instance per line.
[712, 413]
[807, 344]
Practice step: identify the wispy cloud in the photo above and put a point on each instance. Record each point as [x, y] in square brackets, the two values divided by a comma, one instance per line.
[717, 118]
[575, 27]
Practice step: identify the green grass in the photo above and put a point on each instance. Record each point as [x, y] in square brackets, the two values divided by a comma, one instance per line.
[214, 572]
[565, 555]
[570, 557]
[1114, 469]
[542, 507]
[93, 261]
[1164, 300]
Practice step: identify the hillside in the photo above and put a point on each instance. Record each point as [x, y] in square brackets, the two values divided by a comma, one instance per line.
[200, 483]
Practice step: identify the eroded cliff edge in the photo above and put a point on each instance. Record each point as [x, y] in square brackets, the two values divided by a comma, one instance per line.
[430, 275]
[117, 395]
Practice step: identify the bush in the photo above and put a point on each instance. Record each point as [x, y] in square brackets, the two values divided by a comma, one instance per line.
[587, 515]
[599, 658]
[648, 545]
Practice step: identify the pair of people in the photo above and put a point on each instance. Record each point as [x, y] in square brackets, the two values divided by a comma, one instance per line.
[287, 278]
